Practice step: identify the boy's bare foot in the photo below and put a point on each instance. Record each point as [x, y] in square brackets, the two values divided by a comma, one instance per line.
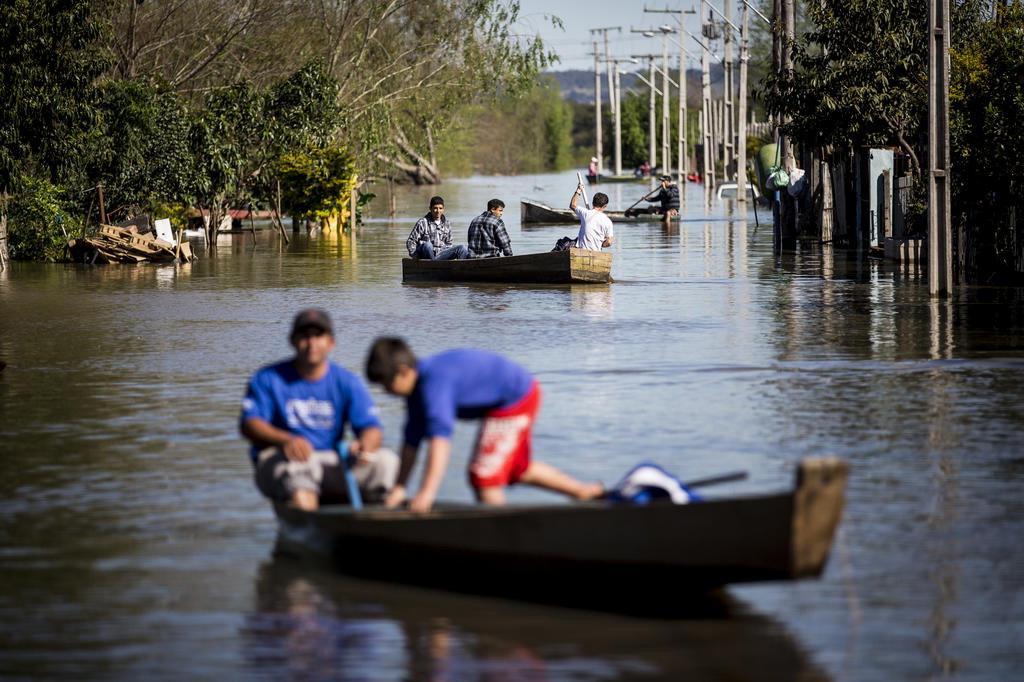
[591, 491]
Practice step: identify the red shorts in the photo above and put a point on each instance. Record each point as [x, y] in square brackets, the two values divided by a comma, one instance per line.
[503, 447]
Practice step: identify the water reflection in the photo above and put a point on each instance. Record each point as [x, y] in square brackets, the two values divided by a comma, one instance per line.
[312, 624]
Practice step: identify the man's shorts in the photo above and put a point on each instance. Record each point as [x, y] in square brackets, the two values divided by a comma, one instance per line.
[503, 447]
[279, 478]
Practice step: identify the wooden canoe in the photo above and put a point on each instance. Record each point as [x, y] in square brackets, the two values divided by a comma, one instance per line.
[536, 212]
[589, 550]
[551, 267]
[616, 179]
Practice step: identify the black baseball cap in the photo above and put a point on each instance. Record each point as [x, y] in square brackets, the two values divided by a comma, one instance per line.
[666, 178]
[312, 317]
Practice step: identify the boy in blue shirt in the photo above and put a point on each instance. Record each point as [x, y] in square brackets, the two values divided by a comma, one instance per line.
[467, 384]
[294, 414]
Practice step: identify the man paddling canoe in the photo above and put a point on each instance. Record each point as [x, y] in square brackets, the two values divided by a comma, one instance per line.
[667, 198]
[596, 231]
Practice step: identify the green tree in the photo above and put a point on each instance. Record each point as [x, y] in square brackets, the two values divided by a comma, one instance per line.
[51, 57]
[859, 77]
[987, 138]
[318, 182]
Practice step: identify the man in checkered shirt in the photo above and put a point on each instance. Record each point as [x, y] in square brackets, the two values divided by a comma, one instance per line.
[487, 234]
[431, 236]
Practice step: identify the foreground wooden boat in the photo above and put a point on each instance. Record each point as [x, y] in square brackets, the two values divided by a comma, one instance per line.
[587, 550]
[536, 212]
[551, 267]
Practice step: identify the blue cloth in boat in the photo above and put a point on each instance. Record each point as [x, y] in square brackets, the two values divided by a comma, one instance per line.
[648, 482]
[461, 383]
[316, 410]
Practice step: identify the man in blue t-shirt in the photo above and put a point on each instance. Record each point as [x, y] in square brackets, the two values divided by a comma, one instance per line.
[467, 384]
[295, 413]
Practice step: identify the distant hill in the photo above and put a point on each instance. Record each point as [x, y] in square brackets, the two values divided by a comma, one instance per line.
[578, 85]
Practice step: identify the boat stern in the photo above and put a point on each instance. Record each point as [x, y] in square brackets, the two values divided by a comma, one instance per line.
[817, 508]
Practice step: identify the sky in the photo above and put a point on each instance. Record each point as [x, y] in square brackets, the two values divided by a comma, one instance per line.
[574, 44]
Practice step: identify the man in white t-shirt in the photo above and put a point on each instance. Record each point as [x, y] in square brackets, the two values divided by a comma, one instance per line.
[595, 227]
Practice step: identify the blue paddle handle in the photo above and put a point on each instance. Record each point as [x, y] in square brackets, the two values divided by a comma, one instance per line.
[355, 499]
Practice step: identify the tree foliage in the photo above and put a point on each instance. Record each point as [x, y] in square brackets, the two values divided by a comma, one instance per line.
[859, 76]
[986, 136]
[51, 55]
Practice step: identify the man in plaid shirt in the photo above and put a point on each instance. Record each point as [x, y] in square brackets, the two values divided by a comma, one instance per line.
[487, 234]
[431, 236]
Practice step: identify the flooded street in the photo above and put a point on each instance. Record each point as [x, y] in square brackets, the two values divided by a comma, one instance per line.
[133, 543]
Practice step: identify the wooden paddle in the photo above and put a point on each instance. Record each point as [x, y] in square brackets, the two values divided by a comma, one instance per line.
[355, 499]
[715, 480]
[579, 176]
[643, 198]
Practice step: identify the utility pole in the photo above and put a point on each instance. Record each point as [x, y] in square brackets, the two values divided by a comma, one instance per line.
[597, 89]
[652, 154]
[728, 132]
[705, 86]
[618, 121]
[940, 252]
[665, 91]
[599, 153]
[741, 123]
[618, 109]
[650, 116]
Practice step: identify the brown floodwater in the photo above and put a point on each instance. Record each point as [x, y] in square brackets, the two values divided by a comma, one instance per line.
[134, 545]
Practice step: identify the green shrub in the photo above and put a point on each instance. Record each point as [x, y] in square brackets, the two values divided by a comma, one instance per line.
[39, 222]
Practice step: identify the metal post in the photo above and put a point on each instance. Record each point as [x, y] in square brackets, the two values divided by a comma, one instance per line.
[741, 127]
[940, 253]
[597, 110]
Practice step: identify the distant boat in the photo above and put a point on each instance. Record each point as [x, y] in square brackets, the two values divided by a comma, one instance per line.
[551, 267]
[536, 212]
[595, 550]
[609, 179]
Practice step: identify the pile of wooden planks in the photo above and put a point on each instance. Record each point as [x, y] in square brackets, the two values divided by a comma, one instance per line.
[125, 245]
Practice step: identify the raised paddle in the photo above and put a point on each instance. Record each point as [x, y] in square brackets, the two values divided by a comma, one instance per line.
[355, 499]
[579, 176]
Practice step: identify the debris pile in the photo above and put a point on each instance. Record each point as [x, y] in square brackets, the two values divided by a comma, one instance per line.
[126, 245]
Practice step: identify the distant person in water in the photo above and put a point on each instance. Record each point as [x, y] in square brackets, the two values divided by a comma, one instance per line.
[467, 384]
[593, 170]
[294, 415]
[487, 234]
[431, 236]
[596, 231]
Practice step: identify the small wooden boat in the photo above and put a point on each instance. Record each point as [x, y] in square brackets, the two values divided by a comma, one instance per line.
[536, 212]
[590, 550]
[551, 267]
[608, 179]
